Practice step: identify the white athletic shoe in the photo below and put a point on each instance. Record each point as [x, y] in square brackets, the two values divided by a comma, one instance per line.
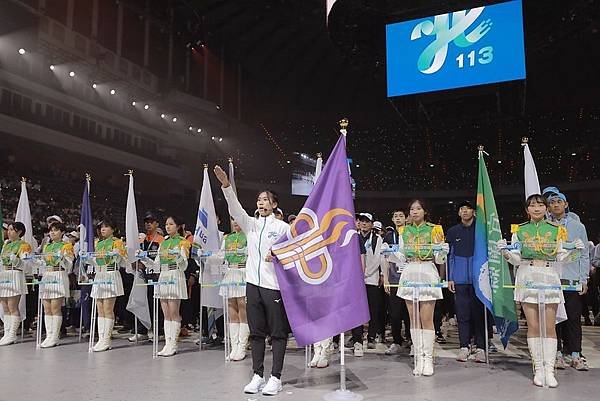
[358, 350]
[140, 337]
[273, 386]
[256, 384]
[393, 349]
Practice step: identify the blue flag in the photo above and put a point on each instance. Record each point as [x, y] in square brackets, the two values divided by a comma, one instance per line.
[86, 227]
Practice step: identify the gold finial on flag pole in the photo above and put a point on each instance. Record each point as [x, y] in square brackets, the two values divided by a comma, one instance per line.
[524, 140]
[231, 160]
[319, 155]
[205, 165]
[343, 123]
[88, 177]
[480, 148]
[23, 179]
[129, 173]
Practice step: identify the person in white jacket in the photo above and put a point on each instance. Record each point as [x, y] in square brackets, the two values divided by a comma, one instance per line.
[265, 310]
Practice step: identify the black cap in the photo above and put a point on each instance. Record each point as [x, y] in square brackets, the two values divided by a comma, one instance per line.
[149, 216]
[467, 204]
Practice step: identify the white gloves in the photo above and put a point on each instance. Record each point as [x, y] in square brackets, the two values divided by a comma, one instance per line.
[512, 256]
[440, 251]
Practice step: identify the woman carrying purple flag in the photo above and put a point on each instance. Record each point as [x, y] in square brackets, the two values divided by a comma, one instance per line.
[420, 244]
[265, 310]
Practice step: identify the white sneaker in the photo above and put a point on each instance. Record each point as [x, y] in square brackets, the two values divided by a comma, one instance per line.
[273, 386]
[412, 350]
[256, 384]
[140, 337]
[358, 350]
[463, 354]
[393, 349]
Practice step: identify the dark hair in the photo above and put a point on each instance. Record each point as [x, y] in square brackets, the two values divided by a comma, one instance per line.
[110, 223]
[57, 225]
[398, 210]
[273, 198]
[19, 227]
[420, 202]
[178, 222]
[535, 198]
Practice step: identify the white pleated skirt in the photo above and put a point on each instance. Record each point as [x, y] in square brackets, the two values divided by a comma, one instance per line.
[55, 284]
[110, 285]
[233, 284]
[12, 283]
[420, 273]
[528, 275]
[176, 290]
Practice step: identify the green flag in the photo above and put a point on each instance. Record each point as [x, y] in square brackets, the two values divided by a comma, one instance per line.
[491, 277]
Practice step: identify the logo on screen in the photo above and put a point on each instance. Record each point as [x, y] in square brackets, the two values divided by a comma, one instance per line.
[452, 28]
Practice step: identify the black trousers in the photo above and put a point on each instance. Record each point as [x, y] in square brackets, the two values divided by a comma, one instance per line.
[469, 316]
[376, 300]
[568, 332]
[266, 316]
[398, 314]
[593, 302]
[121, 311]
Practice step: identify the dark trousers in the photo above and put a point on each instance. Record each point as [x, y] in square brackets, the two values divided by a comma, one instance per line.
[593, 301]
[469, 316]
[376, 300]
[31, 300]
[85, 302]
[398, 314]
[266, 316]
[121, 311]
[569, 331]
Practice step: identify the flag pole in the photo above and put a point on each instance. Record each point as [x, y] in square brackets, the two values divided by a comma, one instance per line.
[343, 394]
[485, 322]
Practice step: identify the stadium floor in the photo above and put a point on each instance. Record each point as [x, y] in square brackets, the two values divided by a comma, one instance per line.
[127, 372]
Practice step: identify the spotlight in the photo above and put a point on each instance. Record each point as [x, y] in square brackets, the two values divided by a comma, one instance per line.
[288, 162]
[72, 74]
[174, 119]
[220, 139]
[51, 67]
[218, 107]
[146, 106]
[431, 165]
[162, 115]
[213, 138]
[499, 161]
[191, 128]
[133, 103]
[358, 165]
[22, 51]
[573, 154]
[94, 86]
[112, 91]
[199, 130]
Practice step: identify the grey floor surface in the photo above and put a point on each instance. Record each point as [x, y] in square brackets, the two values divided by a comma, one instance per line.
[127, 372]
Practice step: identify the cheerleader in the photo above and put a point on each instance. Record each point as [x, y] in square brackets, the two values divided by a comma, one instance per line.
[234, 288]
[420, 245]
[266, 312]
[54, 287]
[12, 280]
[108, 285]
[537, 252]
[172, 261]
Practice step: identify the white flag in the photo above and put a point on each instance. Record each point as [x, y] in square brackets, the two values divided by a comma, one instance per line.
[532, 183]
[132, 232]
[24, 216]
[138, 299]
[208, 237]
[318, 168]
[207, 230]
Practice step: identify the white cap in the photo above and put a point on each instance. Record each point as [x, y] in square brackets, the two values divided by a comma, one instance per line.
[53, 217]
[74, 234]
[378, 225]
[367, 215]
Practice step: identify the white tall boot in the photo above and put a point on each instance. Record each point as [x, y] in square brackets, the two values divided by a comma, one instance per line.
[101, 329]
[535, 349]
[428, 344]
[243, 341]
[8, 338]
[234, 338]
[174, 328]
[550, 345]
[48, 322]
[56, 323]
[167, 329]
[324, 358]
[105, 341]
[417, 341]
[316, 356]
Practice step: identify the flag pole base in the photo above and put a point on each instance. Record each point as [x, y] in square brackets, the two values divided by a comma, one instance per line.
[343, 395]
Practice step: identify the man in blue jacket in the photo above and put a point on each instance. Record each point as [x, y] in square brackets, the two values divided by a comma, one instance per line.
[569, 332]
[469, 309]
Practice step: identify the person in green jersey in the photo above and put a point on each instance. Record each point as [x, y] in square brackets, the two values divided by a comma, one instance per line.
[420, 246]
[233, 287]
[171, 261]
[12, 279]
[537, 249]
[54, 286]
[108, 284]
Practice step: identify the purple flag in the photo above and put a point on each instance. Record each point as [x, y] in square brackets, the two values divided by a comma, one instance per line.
[318, 261]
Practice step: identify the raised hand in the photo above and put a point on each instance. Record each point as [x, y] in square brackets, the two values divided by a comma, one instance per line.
[221, 176]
